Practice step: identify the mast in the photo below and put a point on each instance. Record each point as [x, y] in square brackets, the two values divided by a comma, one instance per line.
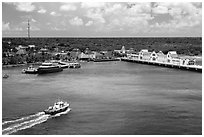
[28, 29]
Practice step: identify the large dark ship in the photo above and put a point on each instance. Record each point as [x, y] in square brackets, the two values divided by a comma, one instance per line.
[49, 68]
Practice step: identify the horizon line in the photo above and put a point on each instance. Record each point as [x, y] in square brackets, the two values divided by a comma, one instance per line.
[103, 37]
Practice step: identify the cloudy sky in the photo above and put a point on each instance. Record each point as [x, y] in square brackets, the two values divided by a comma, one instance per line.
[102, 19]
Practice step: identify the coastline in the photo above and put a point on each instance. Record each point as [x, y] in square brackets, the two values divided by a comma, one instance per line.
[18, 65]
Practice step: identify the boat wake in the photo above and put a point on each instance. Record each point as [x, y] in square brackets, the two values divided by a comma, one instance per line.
[9, 127]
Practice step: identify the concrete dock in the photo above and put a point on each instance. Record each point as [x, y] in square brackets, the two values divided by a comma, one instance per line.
[194, 68]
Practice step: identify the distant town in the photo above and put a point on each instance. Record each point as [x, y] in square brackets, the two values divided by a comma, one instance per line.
[39, 51]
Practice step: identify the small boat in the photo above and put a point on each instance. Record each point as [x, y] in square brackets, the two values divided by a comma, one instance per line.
[58, 107]
[74, 65]
[5, 76]
[30, 70]
[49, 68]
[63, 65]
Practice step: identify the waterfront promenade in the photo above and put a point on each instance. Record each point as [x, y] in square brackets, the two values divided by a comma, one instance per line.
[195, 68]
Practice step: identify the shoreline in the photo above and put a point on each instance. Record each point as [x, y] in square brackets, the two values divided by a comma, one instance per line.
[18, 65]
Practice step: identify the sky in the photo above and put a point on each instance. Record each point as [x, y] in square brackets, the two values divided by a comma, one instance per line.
[102, 19]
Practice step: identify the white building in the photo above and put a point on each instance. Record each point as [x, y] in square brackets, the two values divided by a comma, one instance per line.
[144, 54]
[173, 58]
[31, 46]
[187, 61]
[153, 56]
[122, 51]
[134, 56]
[161, 57]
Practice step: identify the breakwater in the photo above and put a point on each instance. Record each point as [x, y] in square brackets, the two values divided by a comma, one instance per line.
[195, 68]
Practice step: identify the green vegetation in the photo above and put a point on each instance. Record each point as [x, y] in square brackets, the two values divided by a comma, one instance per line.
[188, 45]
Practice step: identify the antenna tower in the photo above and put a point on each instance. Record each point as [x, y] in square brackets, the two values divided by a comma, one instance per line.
[28, 29]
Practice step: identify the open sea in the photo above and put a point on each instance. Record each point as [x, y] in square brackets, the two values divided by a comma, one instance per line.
[107, 98]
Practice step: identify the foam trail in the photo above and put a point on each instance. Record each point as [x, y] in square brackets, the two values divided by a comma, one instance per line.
[21, 119]
[28, 122]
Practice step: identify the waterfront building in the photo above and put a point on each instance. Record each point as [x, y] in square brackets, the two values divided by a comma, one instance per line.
[62, 55]
[122, 51]
[188, 61]
[83, 56]
[96, 55]
[75, 53]
[191, 61]
[134, 56]
[21, 52]
[144, 54]
[173, 58]
[8, 54]
[131, 50]
[21, 47]
[87, 51]
[153, 56]
[161, 57]
[43, 51]
[31, 46]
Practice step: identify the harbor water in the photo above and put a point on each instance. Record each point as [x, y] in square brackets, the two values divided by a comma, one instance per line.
[106, 98]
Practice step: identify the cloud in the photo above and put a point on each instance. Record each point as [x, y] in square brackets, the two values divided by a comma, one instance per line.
[76, 21]
[89, 23]
[5, 26]
[113, 9]
[54, 13]
[114, 17]
[34, 28]
[92, 4]
[33, 20]
[24, 6]
[17, 29]
[68, 7]
[160, 10]
[184, 14]
[139, 8]
[96, 15]
[42, 11]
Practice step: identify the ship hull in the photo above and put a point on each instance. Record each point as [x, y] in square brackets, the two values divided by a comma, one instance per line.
[49, 70]
[31, 72]
[57, 111]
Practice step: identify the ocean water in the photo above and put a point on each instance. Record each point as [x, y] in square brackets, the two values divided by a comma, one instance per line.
[106, 98]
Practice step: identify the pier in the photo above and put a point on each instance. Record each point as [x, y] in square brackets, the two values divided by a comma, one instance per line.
[194, 68]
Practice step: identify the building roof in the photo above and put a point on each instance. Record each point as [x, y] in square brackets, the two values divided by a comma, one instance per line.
[31, 46]
[144, 50]
[21, 52]
[43, 49]
[147, 53]
[75, 50]
[82, 55]
[173, 54]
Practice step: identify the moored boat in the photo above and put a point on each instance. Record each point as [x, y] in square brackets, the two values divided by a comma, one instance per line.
[60, 63]
[30, 70]
[74, 65]
[63, 65]
[49, 68]
[5, 76]
[58, 107]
